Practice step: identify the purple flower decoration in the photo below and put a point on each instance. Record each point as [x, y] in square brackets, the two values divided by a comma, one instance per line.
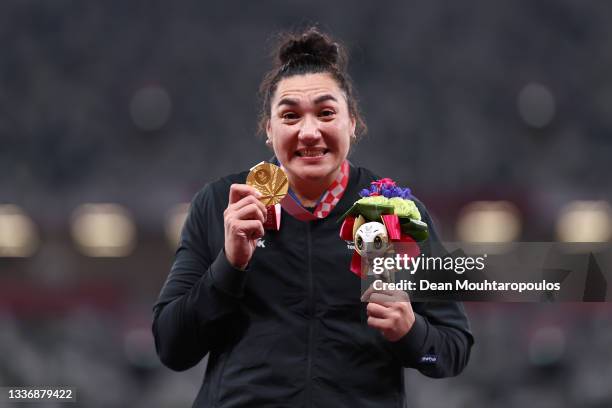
[387, 188]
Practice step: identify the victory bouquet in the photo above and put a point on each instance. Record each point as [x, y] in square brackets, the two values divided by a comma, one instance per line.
[385, 215]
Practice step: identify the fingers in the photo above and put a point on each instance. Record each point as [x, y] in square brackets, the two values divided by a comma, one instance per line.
[242, 196]
[369, 291]
[384, 318]
[248, 200]
[249, 229]
[380, 324]
[381, 296]
[239, 191]
[250, 212]
[391, 313]
[379, 311]
[394, 297]
[382, 299]
[365, 297]
[391, 293]
[243, 222]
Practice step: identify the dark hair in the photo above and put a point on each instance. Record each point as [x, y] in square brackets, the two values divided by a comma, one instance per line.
[309, 52]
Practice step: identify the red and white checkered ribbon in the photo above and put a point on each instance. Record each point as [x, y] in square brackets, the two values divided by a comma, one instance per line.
[334, 193]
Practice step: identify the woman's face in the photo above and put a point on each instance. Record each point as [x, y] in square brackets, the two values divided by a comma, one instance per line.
[310, 126]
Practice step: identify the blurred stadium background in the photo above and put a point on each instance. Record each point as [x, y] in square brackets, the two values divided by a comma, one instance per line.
[113, 114]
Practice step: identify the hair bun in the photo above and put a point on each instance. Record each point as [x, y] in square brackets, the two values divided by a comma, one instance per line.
[303, 53]
[309, 47]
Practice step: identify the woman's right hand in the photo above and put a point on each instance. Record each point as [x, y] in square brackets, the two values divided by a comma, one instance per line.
[243, 220]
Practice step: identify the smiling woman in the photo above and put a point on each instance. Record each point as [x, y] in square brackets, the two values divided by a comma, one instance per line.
[310, 113]
[310, 129]
[276, 308]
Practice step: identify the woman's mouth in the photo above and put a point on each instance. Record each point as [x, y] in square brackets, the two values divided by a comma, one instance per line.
[311, 152]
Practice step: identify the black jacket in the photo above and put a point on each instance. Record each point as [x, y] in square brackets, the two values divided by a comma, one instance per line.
[291, 330]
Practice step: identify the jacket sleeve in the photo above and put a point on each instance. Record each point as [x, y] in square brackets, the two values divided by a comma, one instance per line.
[201, 291]
[439, 342]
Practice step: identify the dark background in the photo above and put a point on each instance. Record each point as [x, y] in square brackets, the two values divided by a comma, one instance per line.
[141, 103]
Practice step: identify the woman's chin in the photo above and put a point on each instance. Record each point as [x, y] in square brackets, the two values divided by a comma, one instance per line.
[312, 172]
[310, 169]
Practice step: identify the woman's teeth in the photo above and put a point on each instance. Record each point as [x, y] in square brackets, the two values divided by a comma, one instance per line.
[311, 152]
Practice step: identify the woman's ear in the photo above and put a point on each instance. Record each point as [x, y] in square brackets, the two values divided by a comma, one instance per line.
[353, 128]
[268, 133]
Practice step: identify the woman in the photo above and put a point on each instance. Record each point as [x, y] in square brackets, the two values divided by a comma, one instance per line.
[278, 310]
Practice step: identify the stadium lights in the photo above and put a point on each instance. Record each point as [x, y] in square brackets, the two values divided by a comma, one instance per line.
[18, 234]
[174, 223]
[489, 222]
[103, 230]
[585, 221]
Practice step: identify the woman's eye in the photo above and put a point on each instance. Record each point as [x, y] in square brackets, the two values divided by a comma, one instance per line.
[289, 115]
[327, 113]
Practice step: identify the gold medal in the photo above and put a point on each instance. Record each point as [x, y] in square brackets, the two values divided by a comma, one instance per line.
[270, 180]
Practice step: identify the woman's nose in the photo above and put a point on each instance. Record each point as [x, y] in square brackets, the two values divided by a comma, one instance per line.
[309, 131]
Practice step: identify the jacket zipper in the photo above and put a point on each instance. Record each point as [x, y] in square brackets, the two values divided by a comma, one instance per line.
[311, 305]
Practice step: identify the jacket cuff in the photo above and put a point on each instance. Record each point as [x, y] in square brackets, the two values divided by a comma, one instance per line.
[227, 278]
[409, 348]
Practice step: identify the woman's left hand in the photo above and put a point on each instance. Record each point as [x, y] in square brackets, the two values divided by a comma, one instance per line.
[390, 312]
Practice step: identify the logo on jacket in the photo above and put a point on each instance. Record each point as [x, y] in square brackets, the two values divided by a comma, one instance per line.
[429, 359]
[261, 243]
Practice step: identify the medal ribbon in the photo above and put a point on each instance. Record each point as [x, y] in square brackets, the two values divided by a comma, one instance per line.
[327, 203]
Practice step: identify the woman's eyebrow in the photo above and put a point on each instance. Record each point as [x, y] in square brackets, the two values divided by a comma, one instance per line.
[287, 101]
[323, 98]
[318, 100]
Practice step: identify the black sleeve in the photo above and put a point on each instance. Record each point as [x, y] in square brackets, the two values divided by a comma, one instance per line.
[201, 291]
[439, 342]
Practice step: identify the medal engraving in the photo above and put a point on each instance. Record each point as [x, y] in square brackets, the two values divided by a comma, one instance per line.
[270, 181]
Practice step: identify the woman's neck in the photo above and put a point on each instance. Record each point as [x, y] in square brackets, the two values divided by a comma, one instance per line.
[309, 192]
